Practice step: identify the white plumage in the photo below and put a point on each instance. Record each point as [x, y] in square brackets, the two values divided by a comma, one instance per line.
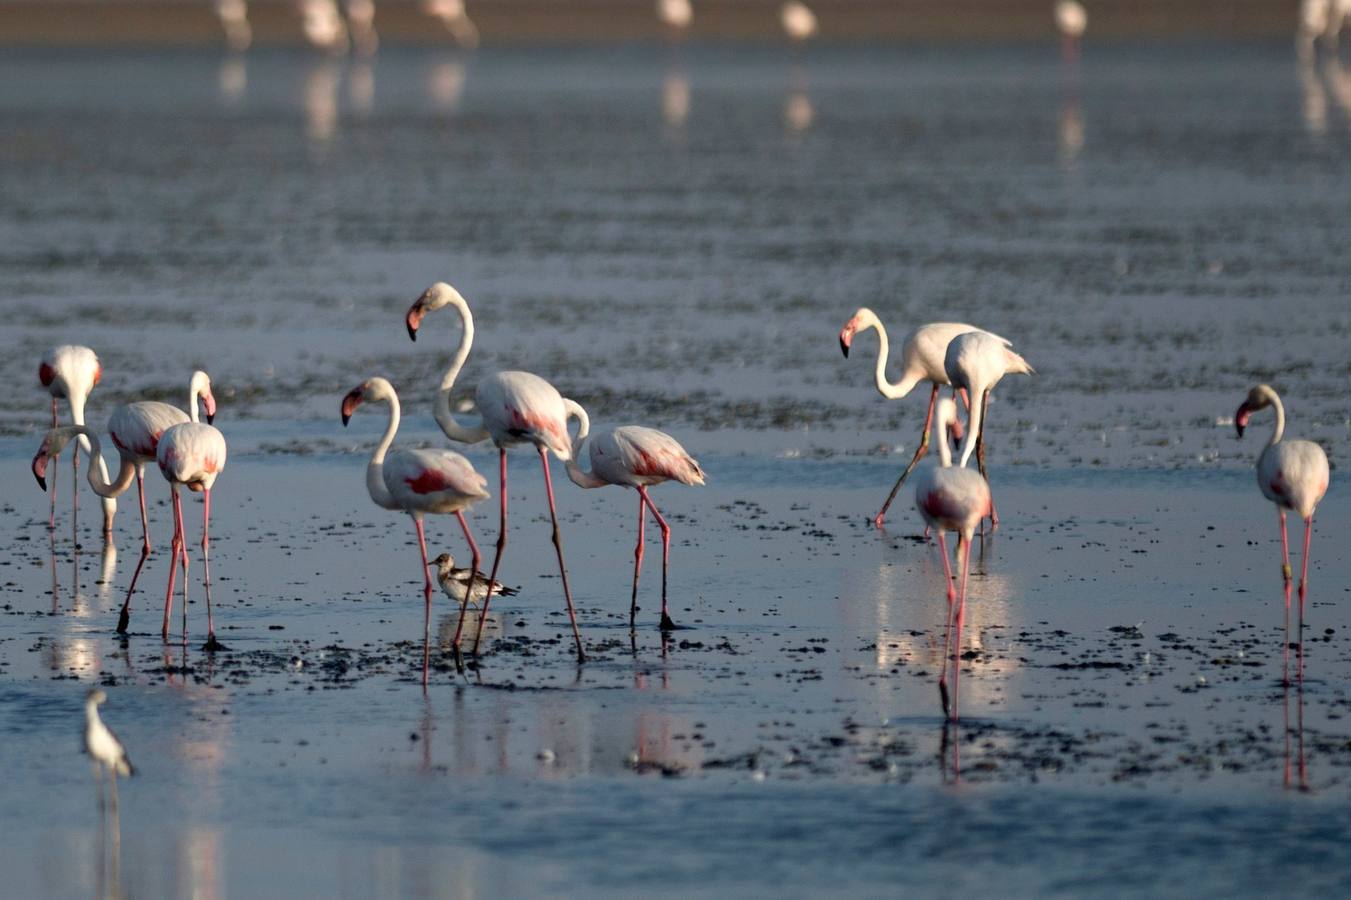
[798, 21]
[103, 747]
[455, 581]
[70, 372]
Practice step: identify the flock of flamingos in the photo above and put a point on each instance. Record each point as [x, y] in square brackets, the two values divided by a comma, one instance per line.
[521, 409]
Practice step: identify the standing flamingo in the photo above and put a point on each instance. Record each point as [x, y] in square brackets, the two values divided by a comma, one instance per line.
[798, 21]
[952, 498]
[975, 362]
[636, 457]
[1294, 476]
[922, 354]
[418, 482]
[1071, 20]
[676, 15]
[191, 454]
[514, 408]
[70, 372]
[136, 429]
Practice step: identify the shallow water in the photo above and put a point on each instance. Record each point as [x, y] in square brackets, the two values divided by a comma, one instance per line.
[1124, 725]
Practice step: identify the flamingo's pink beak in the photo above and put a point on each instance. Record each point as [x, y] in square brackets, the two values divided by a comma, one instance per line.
[1241, 418]
[209, 403]
[847, 337]
[957, 430]
[414, 318]
[350, 403]
[40, 466]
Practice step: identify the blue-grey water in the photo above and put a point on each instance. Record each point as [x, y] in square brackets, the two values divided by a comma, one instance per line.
[675, 238]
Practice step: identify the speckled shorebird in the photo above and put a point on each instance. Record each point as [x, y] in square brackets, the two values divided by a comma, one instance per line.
[455, 580]
[103, 746]
[1293, 475]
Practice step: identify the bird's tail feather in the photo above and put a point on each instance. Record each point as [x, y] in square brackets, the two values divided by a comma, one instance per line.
[1017, 364]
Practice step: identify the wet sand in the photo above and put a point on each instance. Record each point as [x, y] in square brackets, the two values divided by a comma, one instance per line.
[1124, 728]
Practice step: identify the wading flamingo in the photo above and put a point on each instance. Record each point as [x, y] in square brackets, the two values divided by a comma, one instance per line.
[417, 482]
[676, 15]
[1071, 20]
[234, 21]
[136, 429]
[952, 498]
[514, 408]
[1294, 476]
[922, 354]
[975, 362]
[103, 747]
[191, 454]
[466, 585]
[455, 17]
[798, 21]
[70, 372]
[636, 457]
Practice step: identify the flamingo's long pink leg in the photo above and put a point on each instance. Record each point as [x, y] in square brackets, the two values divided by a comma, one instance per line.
[474, 562]
[638, 559]
[174, 548]
[947, 621]
[182, 555]
[964, 549]
[1303, 589]
[497, 557]
[1287, 577]
[124, 618]
[145, 519]
[427, 597]
[980, 456]
[558, 546]
[51, 524]
[666, 623]
[914, 461]
[211, 642]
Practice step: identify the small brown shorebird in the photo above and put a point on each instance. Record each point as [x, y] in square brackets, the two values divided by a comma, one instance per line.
[455, 581]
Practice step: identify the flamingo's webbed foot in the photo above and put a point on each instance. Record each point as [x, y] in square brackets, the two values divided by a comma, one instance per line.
[212, 645]
[667, 624]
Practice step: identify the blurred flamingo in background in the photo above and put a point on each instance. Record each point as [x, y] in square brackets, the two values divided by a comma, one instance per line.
[975, 362]
[191, 454]
[361, 25]
[676, 15]
[418, 482]
[514, 408]
[922, 354]
[70, 372]
[323, 26]
[1293, 475]
[798, 21]
[234, 20]
[952, 498]
[636, 457]
[1071, 20]
[455, 17]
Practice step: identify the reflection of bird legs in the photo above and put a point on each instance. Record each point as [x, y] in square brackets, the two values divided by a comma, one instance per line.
[1303, 768]
[948, 741]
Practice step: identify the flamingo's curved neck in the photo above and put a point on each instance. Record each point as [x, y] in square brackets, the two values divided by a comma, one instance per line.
[375, 470]
[1279, 430]
[77, 401]
[973, 420]
[573, 465]
[193, 393]
[98, 473]
[892, 391]
[944, 451]
[468, 434]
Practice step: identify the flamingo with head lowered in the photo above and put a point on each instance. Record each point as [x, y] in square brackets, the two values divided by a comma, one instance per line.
[515, 408]
[1294, 476]
[70, 372]
[636, 457]
[922, 354]
[952, 498]
[975, 362]
[418, 482]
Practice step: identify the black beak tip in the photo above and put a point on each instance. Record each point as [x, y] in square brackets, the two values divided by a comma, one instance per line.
[210, 417]
[42, 483]
[1239, 429]
[412, 331]
[346, 417]
[844, 348]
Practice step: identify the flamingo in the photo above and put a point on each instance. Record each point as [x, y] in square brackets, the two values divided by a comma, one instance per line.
[636, 457]
[136, 429]
[418, 482]
[323, 25]
[1294, 476]
[676, 15]
[103, 746]
[922, 354]
[455, 17]
[1071, 20]
[457, 582]
[191, 454]
[514, 408]
[798, 21]
[975, 362]
[70, 372]
[234, 20]
[952, 498]
[361, 24]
